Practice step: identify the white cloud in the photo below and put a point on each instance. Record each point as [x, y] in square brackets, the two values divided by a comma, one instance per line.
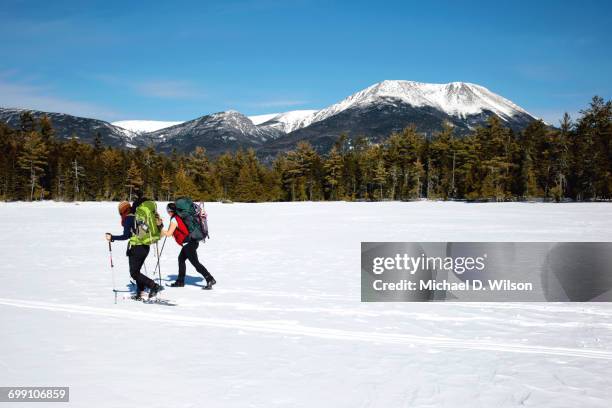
[31, 96]
[153, 88]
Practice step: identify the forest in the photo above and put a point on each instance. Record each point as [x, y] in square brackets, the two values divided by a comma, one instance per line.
[571, 161]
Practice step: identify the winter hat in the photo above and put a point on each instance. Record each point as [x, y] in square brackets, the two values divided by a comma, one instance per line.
[124, 207]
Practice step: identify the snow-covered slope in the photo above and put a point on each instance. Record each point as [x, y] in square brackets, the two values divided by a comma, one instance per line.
[287, 122]
[459, 99]
[259, 119]
[143, 126]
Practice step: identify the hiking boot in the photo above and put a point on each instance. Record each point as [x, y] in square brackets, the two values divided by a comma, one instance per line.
[177, 284]
[136, 296]
[154, 291]
[209, 284]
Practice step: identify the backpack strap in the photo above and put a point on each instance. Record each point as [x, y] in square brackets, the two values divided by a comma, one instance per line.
[133, 231]
[178, 224]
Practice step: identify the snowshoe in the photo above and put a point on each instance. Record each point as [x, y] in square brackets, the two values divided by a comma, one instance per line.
[209, 284]
[154, 291]
[177, 284]
[161, 302]
[136, 296]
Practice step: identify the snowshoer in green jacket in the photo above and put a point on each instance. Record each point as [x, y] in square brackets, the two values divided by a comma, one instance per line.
[137, 250]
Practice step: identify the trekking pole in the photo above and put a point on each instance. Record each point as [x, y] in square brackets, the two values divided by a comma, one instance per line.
[159, 253]
[110, 253]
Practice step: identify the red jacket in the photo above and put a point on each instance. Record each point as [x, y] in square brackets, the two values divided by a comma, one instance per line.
[180, 232]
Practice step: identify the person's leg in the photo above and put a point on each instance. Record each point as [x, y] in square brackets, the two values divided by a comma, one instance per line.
[181, 266]
[135, 261]
[137, 258]
[191, 251]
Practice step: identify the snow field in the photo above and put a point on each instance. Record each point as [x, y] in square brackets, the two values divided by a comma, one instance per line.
[284, 325]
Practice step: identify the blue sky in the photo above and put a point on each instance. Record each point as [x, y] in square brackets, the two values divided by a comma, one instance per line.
[180, 60]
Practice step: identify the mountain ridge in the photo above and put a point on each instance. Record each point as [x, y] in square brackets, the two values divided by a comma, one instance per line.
[375, 112]
[66, 126]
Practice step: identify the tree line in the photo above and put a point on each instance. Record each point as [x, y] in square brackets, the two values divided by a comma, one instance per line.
[572, 161]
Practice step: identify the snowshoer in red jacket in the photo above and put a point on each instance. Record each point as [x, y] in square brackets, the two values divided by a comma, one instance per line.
[179, 231]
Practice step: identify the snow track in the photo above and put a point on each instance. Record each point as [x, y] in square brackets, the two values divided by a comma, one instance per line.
[287, 328]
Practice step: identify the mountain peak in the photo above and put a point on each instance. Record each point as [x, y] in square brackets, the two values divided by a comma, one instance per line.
[460, 99]
[231, 112]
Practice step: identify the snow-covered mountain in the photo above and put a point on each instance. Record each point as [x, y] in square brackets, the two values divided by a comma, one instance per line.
[68, 126]
[460, 99]
[217, 132]
[390, 106]
[144, 126]
[374, 112]
[229, 130]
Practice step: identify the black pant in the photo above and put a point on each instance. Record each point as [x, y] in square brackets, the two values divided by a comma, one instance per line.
[137, 255]
[190, 251]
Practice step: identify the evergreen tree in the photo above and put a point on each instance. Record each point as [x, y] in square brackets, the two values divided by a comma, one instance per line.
[249, 186]
[226, 172]
[309, 163]
[32, 162]
[405, 149]
[560, 157]
[293, 173]
[111, 162]
[414, 181]
[441, 150]
[198, 167]
[593, 150]
[27, 122]
[185, 187]
[334, 166]
[166, 186]
[134, 181]
[47, 132]
[380, 177]
[497, 143]
[9, 148]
